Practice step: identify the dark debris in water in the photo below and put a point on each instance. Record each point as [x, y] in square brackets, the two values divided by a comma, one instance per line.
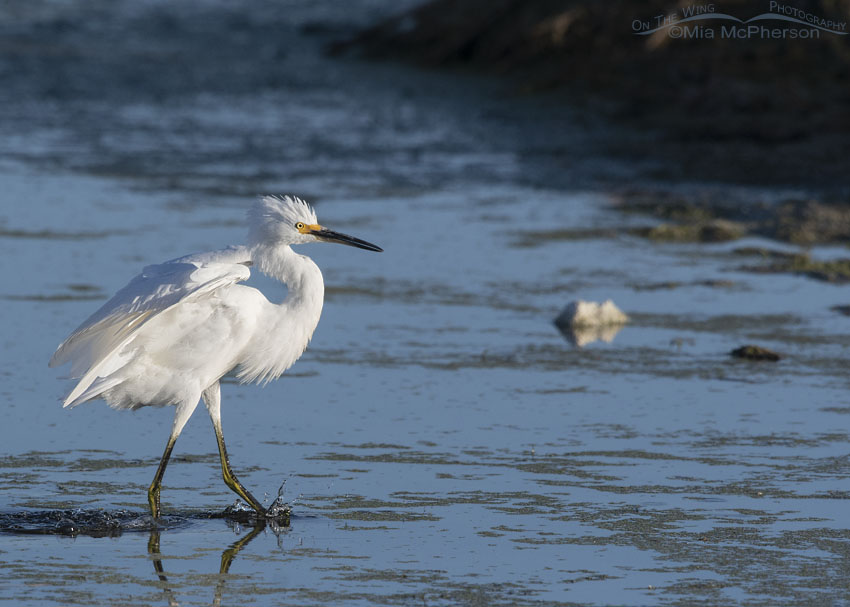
[711, 283]
[80, 521]
[755, 353]
[845, 310]
[53, 297]
[535, 238]
[54, 235]
[102, 523]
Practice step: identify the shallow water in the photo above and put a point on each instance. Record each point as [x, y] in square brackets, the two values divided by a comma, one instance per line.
[441, 441]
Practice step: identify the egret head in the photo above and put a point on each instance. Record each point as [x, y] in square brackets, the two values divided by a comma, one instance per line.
[289, 220]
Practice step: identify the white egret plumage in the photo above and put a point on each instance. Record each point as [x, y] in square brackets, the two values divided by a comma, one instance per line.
[175, 330]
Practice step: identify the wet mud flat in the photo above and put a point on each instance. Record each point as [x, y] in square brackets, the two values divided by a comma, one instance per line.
[475, 455]
[569, 528]
[442, 442]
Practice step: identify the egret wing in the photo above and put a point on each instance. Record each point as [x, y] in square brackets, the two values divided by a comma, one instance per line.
[95, 348]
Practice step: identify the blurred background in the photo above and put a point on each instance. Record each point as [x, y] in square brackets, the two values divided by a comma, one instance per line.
[442, 440]
[715, 100]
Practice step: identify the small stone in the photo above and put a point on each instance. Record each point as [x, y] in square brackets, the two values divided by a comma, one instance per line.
[581, 313]
[583, 322]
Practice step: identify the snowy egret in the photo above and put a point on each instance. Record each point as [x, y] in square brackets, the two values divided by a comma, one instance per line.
[175, 330]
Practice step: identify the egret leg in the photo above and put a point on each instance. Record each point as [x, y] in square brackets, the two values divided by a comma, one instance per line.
[180, 418]
[229, 478]
[156, 485]
[212, 398]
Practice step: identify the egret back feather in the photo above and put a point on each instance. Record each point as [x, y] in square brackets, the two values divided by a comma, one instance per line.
[97, 347]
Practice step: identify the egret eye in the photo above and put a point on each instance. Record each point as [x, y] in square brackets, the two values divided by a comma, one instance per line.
[299, 226]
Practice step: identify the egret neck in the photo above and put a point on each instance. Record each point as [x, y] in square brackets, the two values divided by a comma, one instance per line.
[288, 326]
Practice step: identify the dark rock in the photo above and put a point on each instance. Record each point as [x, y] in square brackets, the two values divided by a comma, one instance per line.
[755, 353]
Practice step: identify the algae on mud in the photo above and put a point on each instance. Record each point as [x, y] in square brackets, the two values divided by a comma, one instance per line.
[713, 214]
[831, 270]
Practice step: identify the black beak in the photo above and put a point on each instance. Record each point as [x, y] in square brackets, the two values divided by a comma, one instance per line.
[331, 236]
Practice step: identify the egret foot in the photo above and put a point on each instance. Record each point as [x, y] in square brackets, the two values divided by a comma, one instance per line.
[279, 514]
[230, 479]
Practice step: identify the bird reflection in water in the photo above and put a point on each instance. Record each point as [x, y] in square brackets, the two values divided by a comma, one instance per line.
[226, 560]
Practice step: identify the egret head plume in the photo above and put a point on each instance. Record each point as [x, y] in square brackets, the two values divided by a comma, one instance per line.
[273, 219]
[289, 220]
